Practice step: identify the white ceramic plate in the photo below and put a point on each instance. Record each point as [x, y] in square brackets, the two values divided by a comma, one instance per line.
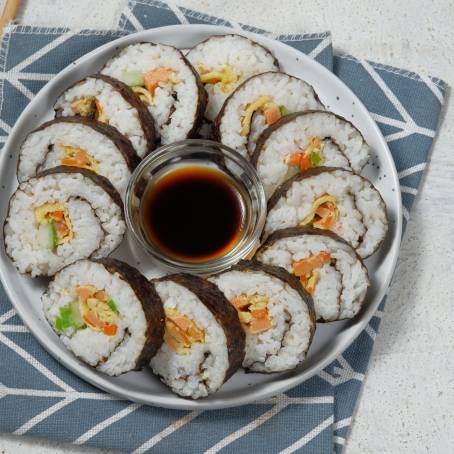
[330, 339]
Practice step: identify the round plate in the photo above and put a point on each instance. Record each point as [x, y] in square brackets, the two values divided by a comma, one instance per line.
[330, 340]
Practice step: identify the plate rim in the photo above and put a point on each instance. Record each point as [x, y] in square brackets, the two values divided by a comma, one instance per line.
[96, 378]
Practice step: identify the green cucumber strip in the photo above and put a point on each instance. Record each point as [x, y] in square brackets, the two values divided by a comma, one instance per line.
[133, 78]
[58, 324]
[283, 110]
[112, 305]
[69, 318]
[77, 319]
[315, 159]
[53, 235]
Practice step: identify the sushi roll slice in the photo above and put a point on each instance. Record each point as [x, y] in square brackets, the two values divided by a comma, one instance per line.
[110, 101]
[203, 341]
[80, 143]
[275, 311]
[331, 199]
[165, 81]
[256, 104]
[224, 62]
[305, 140]
[327, 267]
[60, 216]
[106, 313]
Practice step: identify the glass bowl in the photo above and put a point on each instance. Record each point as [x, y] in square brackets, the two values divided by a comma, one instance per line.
[206, 153]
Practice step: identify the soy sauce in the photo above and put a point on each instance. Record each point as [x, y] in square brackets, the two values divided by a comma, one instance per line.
[193, 213]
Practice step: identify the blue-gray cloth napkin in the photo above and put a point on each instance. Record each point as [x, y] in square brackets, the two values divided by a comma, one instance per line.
[40, 397]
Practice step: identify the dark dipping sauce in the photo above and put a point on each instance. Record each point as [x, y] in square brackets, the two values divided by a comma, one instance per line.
[193, 213]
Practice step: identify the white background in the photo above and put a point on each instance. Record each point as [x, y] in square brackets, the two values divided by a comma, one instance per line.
[408, 397]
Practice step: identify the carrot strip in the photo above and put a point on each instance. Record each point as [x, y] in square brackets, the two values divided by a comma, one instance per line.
[258, 325]
[306, 266]
[259, 313]
[109, 330]
[152, 78]
[92, 319]
[272, 114]
[181, 321]
[241, 302]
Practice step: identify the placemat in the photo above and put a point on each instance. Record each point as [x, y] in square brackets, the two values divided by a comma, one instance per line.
[40, 397]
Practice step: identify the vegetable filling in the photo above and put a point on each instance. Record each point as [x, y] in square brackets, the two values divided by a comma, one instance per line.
[309, 157]
[324, 213]
[181, 332]
[54, 225]
[145, 84]
[263, 105]
[76, 157]
[225, 78]
[93, 308]
[306, 270]
[89, 106]
[253, 312]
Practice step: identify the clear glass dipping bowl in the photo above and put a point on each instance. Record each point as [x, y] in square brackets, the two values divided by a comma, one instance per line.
[195, 152]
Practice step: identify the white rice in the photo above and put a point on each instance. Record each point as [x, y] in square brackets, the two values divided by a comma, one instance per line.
[97, 223]
[342, 284]
[203, 371]
[119, 112]
[271, 164]
[362, 218]
[283, 346]
[206, 130]
[41, 151]
[112, 355]
[258, 125]
[284, 90]
[145, 57]
[244, 56]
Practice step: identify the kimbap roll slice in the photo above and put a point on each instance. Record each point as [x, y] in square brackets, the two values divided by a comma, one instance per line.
[276, 314]
[331, 199]
[110, 101]
[327, 267]
[165, 81]
[258, 103]
[203, 341]
[60, 216]
[224, 62]
[306, 140]
[80, 143]
[106, 313]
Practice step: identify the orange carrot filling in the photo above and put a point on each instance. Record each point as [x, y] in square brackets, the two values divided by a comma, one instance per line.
[253, 312]
[263, 105]
[98, 311]
[241, 302]
[92, 319]
[55, 216]
[154, 77]
[109, 330]
[309, 157]
[271, 113]
[181, 332]
[259, 325]
[325, 216]
[61, 226]
[324, 213]
[76, 157]
[306, 269]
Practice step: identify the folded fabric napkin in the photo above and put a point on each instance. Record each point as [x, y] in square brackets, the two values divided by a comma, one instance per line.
[40, 397]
